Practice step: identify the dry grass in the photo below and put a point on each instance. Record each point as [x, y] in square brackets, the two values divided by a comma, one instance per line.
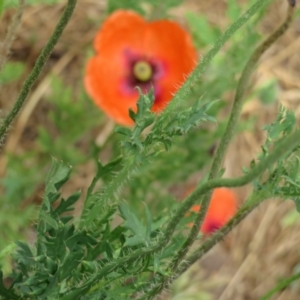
[261, 250]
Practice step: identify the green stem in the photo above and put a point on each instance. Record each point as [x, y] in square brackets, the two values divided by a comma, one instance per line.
[242, 88]
[280, 286]
[110, 192]
[193, 79]
[285, 145]
[37, 69]
[248, 207]
[229, 132]
[89, 215]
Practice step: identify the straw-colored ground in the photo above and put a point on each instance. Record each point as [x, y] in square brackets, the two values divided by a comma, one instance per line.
[262, 250]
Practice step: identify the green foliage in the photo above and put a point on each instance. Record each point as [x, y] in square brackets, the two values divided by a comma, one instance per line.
[26, 170]
[139, 150]
[113, 5]
[140, 233]
[19, 184]
[69, 262]
[268, 92]
[11, 72]
[282, 285]
[290, 219]
[283, 178]
[203, 33]
[65, 257]
[120, 247]
[58, 248]
[5, 259]
[1, 6]
[14, 3]
[68, 108]
[233, 10]
[159, 8]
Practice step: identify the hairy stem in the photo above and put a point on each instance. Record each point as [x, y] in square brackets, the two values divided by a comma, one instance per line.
[37, 69]
[89, 215]
[216, 165]
[183, 92]
[110, 193]
[285, 145]
[248, 207]
[229, 132]
[41, 61]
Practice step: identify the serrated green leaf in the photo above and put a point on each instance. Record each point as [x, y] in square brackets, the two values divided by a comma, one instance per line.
[103, 170]
[47, 219]
[132, 115]
[24, 248]
[123, 130]
[134, 225]
[66, 205]
[57, 176]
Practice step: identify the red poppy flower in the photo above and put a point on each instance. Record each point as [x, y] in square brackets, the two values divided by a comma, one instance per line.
[223, 206]
[132, 52]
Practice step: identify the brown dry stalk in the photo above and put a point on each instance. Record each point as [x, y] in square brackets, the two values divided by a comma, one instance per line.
[11, 34]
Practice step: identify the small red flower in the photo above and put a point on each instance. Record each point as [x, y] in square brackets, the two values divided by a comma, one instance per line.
[223, 206]
[132, 52]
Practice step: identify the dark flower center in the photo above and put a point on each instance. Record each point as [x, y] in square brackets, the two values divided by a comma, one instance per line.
[142, 71]
[213, 226]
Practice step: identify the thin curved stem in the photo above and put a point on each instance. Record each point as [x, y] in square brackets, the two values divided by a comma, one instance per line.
[248, 207]
[280, 286]
[181, 94]
[285, 145]
[193, 78]
[230, 130]
[217, 163]
[37, 69]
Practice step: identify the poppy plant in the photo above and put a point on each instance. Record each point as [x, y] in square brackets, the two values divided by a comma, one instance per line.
[222, 207]
[132, 52]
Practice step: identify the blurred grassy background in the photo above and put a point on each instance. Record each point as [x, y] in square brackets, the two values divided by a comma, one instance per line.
[59, 120]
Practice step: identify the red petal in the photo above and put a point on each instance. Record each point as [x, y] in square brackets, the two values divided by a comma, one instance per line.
[168, 42]
[222, 207]
[163, 41]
